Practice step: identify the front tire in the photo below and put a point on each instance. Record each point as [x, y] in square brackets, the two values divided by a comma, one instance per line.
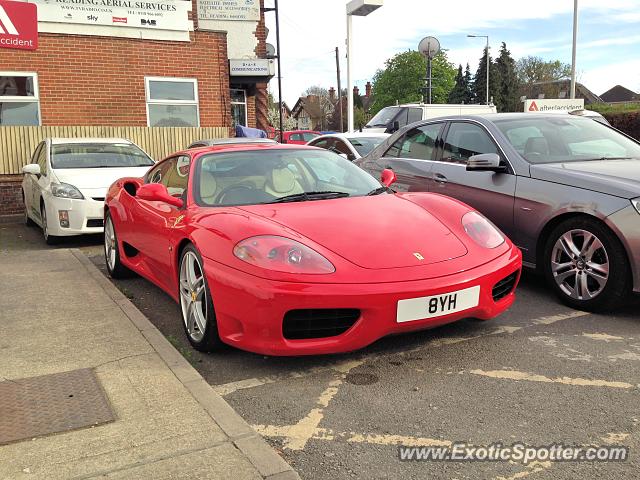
[49, 239]
[586, 265]
[115, 269]
[196, 305]
[27, 219]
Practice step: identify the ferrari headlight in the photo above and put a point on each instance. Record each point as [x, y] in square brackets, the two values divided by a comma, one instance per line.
[636, 203]
[482, 230]
[64, 190]
[282, 254]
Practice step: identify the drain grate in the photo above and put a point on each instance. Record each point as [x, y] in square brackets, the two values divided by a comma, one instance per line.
[37, 406]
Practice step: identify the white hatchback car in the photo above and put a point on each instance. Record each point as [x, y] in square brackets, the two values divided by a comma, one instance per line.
[65, 184]
[350, 145]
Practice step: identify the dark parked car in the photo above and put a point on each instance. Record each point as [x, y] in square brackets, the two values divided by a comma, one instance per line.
[565, 189]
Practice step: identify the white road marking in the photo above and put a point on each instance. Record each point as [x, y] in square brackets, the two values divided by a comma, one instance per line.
[560, 317]
[615, 438]
[533, 467]
[532, 377]
[602, 336]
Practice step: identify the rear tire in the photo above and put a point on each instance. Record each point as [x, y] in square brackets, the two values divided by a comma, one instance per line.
[196, 306]
[586, 265]
[49, 239]
[115, 269]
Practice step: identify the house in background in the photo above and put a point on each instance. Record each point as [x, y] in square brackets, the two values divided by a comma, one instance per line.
[558, 89]
[619, 94]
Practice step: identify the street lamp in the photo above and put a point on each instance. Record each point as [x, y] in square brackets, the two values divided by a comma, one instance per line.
[360, 8]
[487, 37]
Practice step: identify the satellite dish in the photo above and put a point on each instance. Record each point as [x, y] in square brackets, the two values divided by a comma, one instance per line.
[271, 51]
[429, 47]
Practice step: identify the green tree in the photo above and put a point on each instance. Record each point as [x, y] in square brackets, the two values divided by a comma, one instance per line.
[535, 69]
[509, 86]
[402, 79]
[468, 81]
[480, 81]
[461, 92]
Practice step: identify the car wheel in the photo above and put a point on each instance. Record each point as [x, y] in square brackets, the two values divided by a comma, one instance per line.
[49, 239]
[27, 219]
[586, 265]
[115, 269]
[196, 305]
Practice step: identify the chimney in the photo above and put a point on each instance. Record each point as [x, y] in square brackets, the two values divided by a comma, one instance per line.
[332, 95]
[368, 89]
[356, 91]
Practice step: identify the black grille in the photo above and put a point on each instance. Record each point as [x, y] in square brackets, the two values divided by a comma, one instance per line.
[504, 286]
[318, 323]
[95, 222]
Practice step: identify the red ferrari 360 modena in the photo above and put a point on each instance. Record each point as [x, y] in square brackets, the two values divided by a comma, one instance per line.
[293, 250]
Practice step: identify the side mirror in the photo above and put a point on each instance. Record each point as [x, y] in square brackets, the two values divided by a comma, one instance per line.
[32, 169]
[156, 192]
[395, 126]
[485, 162]
[388, 177]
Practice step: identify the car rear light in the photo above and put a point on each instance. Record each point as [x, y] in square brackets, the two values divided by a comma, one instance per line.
[282, 254]
[481, 230]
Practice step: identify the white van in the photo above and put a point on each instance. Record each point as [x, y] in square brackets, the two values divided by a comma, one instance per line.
[390, 119]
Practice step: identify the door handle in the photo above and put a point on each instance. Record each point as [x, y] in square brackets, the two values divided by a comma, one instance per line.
[439, 178]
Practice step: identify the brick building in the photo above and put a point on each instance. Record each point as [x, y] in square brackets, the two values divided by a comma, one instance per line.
[128, 63]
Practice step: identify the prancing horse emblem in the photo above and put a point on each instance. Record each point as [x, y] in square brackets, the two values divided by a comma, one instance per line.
[418, 256]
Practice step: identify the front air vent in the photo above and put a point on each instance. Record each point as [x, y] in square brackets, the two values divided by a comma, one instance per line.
[318, 323]
[504, 287]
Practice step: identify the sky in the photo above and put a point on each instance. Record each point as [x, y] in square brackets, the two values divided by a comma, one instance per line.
[608, 50]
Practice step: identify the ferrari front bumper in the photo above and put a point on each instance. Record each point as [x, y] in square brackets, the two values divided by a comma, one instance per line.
[250, 310]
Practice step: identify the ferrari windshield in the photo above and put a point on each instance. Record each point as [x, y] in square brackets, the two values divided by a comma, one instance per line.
[98, 155]
[563, 139]
[276, 175]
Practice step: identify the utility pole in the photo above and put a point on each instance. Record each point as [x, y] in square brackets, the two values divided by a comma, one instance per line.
[573, 53]
[339, 87]
[279, 67]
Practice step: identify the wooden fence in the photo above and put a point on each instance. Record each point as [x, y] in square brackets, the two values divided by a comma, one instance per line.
[18, 143]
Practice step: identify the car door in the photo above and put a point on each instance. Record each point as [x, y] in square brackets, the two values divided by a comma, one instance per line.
[411, 157]
[29, 184]
[491, 193]
[155, 221]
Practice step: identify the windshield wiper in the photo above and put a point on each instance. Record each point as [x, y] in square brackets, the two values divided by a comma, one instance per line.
[304, 196]
[379, 190]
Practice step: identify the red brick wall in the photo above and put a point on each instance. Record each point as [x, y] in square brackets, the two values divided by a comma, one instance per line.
[10, 194]
[100, 80]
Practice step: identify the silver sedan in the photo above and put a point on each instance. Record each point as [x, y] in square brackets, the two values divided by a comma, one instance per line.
[565, 189]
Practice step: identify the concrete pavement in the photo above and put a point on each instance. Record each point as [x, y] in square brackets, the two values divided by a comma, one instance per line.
[57, 314]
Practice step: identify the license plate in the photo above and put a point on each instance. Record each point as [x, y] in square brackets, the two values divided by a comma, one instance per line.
[437, 305]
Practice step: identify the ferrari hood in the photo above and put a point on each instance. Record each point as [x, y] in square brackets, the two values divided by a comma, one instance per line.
[96, 178]
[378, 232]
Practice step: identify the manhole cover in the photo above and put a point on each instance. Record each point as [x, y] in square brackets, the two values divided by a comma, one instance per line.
[32, 407]
[361, 378]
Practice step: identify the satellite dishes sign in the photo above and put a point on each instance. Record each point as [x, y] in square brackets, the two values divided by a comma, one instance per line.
[429, 47]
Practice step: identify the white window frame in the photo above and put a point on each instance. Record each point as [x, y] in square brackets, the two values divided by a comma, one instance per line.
[17, 99]
[231, 103]
[154, 101]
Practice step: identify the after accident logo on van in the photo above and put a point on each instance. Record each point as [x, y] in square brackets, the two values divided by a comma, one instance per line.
[18, 25]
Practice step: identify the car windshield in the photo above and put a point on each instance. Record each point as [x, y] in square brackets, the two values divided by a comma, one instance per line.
[266, 176]
[556, 139]
[364, 145]
[98, 155]
[383, 117]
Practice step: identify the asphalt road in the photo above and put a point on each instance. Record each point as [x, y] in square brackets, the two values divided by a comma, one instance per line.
[540, 374]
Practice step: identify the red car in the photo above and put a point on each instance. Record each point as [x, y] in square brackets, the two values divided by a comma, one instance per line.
[297, 137]
[285, 250]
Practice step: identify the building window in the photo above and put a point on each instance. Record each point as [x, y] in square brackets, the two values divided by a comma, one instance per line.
[19, 100]
[238, 107]
[172, 102]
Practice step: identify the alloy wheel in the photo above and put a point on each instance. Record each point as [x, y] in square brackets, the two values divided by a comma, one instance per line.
[580, 264]
[110, 244]
[193, 296]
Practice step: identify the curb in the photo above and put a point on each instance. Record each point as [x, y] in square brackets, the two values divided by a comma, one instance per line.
[268, 463]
